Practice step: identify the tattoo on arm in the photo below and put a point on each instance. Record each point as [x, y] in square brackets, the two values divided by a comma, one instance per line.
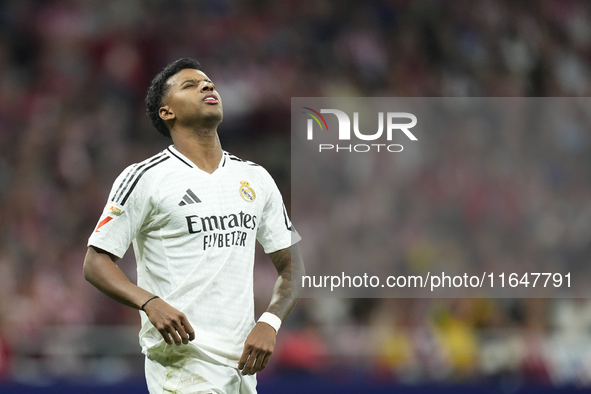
[290, 267]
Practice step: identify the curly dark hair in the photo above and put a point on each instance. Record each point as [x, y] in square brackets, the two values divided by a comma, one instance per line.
[159, 87]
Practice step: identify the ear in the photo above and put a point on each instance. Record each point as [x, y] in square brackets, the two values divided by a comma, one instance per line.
[166, 113]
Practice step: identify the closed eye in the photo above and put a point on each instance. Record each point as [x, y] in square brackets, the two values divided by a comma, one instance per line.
[192, 82]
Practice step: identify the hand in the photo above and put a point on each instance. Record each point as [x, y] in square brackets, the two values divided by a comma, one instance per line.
[258, 349]
[170, 322]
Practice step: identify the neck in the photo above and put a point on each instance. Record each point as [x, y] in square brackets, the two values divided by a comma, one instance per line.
[203, 148]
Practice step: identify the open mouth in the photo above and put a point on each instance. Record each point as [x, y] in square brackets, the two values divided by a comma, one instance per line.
[211, 99]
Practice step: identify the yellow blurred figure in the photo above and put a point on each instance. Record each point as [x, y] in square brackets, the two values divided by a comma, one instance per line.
[397, 351]
[458, 343]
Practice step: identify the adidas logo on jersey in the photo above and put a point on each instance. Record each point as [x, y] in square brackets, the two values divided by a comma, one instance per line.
[189, 198]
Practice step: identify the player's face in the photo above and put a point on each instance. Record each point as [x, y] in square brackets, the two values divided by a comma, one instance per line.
[192, 97]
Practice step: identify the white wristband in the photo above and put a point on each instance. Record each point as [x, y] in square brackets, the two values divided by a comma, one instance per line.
[271, 320]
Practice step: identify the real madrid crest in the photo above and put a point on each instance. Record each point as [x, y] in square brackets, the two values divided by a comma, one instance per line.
[246, 192]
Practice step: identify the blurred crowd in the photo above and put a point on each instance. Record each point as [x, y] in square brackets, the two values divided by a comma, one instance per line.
[73, 76]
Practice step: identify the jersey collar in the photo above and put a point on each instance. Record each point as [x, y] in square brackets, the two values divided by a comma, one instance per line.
[178, 155]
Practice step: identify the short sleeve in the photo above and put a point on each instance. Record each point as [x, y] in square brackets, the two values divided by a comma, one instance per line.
[124, 213]
[275, 230]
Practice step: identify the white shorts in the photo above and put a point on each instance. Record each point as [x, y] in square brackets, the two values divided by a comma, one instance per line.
[187, 370]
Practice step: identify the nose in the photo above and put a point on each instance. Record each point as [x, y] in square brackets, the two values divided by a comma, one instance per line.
[207, 86]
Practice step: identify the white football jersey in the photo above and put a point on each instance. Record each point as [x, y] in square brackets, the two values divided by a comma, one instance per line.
[194, 235]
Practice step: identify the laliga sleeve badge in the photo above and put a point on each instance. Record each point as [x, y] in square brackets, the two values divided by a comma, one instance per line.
[113, 209]
[246, 192]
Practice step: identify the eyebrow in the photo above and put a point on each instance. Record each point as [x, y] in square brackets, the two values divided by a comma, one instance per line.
[195, 81]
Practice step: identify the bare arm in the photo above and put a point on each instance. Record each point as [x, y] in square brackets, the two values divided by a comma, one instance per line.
[102, 272]
[290, 267]
[260, 343]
